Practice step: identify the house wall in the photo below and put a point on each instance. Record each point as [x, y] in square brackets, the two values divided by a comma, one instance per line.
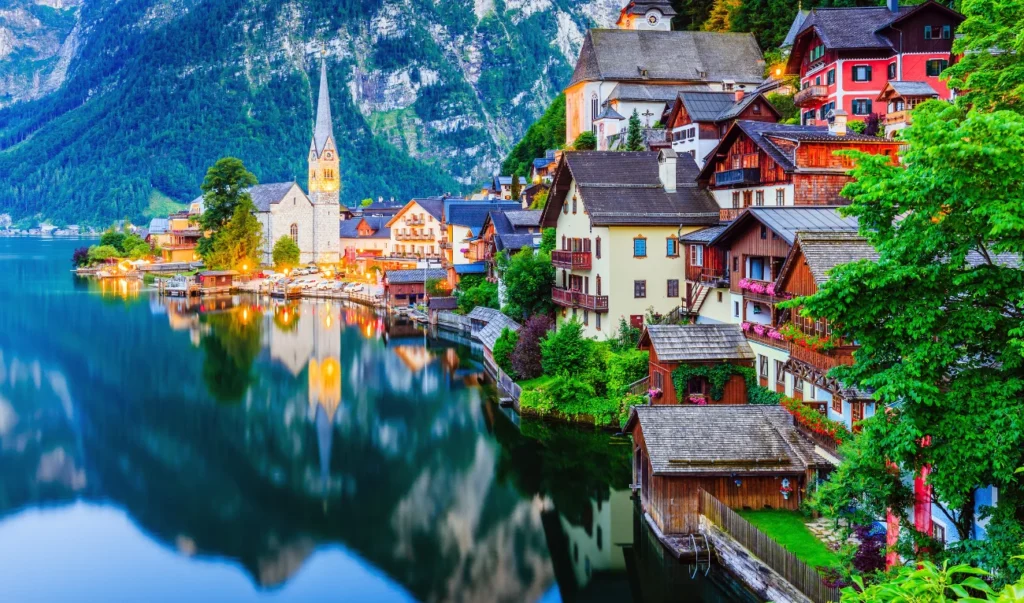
[656, 269]
[749, 244]
[404, 293]
[715, 310]
[724, 195]
[294, 208]
[577, 225]
[456, 234]
[418, 247]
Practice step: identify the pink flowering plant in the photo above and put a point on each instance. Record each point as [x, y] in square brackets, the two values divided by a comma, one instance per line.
[698, 399]
[745, 325]
[654, 392]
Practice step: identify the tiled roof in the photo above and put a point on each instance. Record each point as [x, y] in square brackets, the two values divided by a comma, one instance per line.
[433, 206]
[524, 218]
[413, 275]
[474, 268]
[908, 88]
[651, 92]
[624, 188]
[697, 343]
[794, 28]
[823, 251]
[349, 229]
[516, 241]
[494, 322]
[696, 56]
[1006, 260]
[473, 213]
[704, 235]
[265, 195]
[852, 27]
[609, 113]
[707, 106]
[722, 440]
[787, 220]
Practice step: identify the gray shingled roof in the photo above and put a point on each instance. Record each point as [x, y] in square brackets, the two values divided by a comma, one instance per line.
[524, 218]
[651, 92]
[698, 343]
[624, 188]
[852, 27]
[823, 251]
[473, 213]
[640, 7]
[722, 440]
[414, 275]
[609, 113]
[324, 126]
[433, 206]
[158, 226]
[787, 220]
[706, 106]
[349, 229]
[516, 241]
[908, 88]
[794, 28]
[704, 235]
[494, 322]
[265, 195]
[694, 56]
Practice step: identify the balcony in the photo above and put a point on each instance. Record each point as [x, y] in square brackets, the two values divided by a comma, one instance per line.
[740, 176]
[709, 277]
[897, 117]
[810, 95]
[824, 361]
[571, 260]
[730, 214]
[779, 344]
[413, 220]
[577, 299]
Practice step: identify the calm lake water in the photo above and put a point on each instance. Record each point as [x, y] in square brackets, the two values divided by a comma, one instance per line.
[239, 449]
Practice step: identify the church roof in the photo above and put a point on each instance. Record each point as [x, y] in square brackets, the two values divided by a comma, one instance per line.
[324, 126]
[265, 195]
[640, 7]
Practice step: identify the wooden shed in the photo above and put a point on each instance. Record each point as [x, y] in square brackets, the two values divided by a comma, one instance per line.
[704, 344]
[748, 457]
[216, 281]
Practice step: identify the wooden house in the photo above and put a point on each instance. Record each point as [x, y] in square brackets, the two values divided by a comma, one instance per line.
[814, 349]
[748, 457]
[899, 98]
[697, 120]
[216, 281]
[706, 345]
[408, 287]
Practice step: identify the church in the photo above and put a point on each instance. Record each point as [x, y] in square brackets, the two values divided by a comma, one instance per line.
[310, 220]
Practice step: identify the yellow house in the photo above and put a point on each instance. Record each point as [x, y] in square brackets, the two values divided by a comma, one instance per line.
[416, 230]
[618, 218]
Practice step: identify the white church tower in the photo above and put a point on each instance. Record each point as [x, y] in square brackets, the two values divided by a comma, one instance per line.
[325, 180]
[647, 14]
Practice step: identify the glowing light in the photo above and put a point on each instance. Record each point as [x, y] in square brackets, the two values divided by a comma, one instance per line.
[778, 71]
[245, 267]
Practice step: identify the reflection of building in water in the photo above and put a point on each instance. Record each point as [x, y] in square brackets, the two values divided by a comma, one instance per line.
[324, 331]
[290, 341]
[183, 312]
[596, 549]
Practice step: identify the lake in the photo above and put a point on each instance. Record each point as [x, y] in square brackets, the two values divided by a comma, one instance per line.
[244, 449]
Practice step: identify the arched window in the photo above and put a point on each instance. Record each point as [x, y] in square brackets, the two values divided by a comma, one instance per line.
[294, 232]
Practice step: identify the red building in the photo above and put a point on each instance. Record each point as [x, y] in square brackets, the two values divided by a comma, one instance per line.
[696, 345]
[845, 56]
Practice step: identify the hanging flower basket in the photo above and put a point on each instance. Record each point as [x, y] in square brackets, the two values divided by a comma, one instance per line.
[698, 399]
[786, 489]
[654, 393]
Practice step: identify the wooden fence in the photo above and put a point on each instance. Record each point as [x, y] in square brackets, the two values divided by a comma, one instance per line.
[640, 386]
[802, 576]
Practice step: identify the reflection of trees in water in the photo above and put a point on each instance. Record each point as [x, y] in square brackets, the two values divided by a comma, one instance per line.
[568, 463]
[231, 347]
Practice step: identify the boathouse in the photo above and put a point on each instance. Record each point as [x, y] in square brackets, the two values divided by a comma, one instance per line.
[216, 281]
[698, 346]
[748, 457]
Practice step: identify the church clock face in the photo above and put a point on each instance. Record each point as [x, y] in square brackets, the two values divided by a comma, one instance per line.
[653, 17]
[327, 155]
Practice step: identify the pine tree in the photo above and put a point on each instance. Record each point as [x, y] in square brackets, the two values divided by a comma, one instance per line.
[634, 135]
[517, 187]
[239, 243]
[721, 15]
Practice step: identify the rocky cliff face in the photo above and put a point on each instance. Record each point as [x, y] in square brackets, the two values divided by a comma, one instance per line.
[440, 89]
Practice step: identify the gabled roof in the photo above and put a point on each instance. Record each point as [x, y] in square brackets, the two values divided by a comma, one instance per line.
[382, 208]
[432, 205]
[696, 343]
[414, 275]
[907, 89]
[609, 113]
[516, 241]
[472, 214]
[523, 218]
[794, 28]
[624, 188]
[158, 226]
[704, 235]
[265, 195]
[722, 440]
[640, 7]
[824, 250]
[787, 220]
[672, 56]
[716, 106]
[349, 229]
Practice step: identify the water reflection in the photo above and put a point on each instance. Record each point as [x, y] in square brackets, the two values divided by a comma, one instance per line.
[311, 449]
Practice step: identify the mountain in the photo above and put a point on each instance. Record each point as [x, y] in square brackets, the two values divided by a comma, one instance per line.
[110, 107]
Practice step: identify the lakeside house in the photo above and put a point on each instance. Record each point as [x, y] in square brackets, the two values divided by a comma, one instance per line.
[416, 231]
[408, 286]
[695, 345]
[364, 238]
[844, 57]
[216, 281]
[618, 219]
[748, 457]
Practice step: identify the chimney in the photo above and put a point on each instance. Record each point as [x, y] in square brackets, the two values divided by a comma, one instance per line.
[837, 125]
[739, 95]
[667, 169]
[894, 5]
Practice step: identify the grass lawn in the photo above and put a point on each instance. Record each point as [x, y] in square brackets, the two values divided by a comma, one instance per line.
[536, 382]
[788, 529]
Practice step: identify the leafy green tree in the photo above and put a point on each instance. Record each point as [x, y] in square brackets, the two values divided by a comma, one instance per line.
[566, 351]
[546, 133]
[113, 238]
[691, 14]
[586, 141]
[768, 20]
[239, 243]
[366, 202]
[473, 291]
[634, 134]
[938, 316]
[528, 278]
[437, 287]
[286, 253]
[990, 71]
[504, 346]
[224, 188]
[548, 240]
[720, 16]
[517, 187]
[926, 582]
[100, 253]
[540, 199]
[784, 104]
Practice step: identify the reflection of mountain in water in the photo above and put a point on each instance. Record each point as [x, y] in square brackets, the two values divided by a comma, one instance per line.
[379, 446]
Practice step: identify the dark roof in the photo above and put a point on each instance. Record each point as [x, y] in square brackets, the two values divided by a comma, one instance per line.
[474, 268]
[432, 205]
[324, 129]
[414, 275]
[265, 195]
[794, 28]
[609, 113]
[722, 439]
[349, 229]
[908, 88]
[624, 188]
[443, 303]
[694, 56]
[651, 92]
[640, 7]
[824, 250]
[516, 241]
[494, 322]
[717, 106]
[704, 235]
[217, 273]
[472, 214]
[787, 220]
[1006, 259]
[542, 162]
[697, 343]
[382, 208]
[523, 218]
[860, 27]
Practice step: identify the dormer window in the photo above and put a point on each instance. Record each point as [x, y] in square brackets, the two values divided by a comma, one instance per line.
[643, 72]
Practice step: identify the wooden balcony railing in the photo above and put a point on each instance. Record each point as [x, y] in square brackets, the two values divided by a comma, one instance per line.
[738, 176]
[810, 95]
[897, 117]
[826, 442]
[731, 213]
[414, 220]
[779, 344]
[823, 360]
[712, 277]
[577, 299]
[571, 260]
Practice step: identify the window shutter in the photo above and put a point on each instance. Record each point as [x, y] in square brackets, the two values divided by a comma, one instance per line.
[597, 249]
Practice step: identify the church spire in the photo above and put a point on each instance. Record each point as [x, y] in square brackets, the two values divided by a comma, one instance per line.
[324, 129]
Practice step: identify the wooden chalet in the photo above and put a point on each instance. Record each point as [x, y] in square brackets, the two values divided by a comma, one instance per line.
[813, 255]
[216, 281]
[748, 457]
[407, 287]
[899, 98]
[759, 164]
[697, 120]
[705, 344]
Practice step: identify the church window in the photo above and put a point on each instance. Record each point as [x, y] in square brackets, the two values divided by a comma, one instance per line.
[294, 232]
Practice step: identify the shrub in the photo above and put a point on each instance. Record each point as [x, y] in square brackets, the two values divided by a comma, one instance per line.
[526, 360]
[566, 351]
[437, 287]
[80, 257]
[475, 290]
[624, 368]
[100, 253]
[857, 127]
[112, 238]
[586, 141]
[628, 337]
[503, 348]
[286, 253]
